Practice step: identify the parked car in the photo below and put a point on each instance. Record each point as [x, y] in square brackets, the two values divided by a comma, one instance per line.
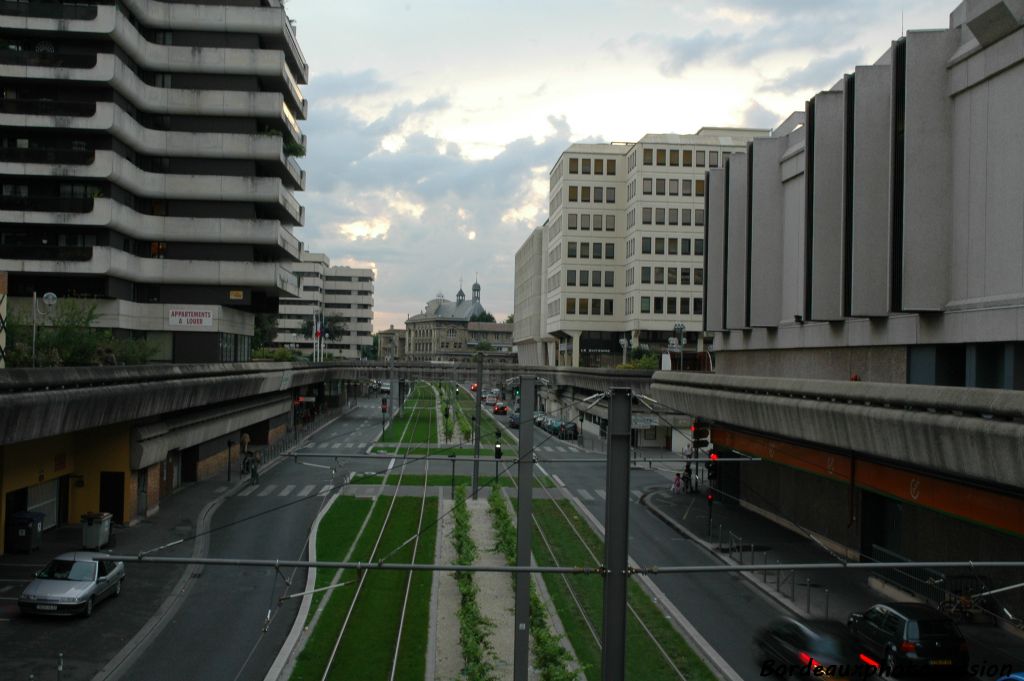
[909, 637]
[551, 425]
[72, 583]
[787, 644]
[513, 420]
[568, 430]
[490, 400]
[538, 418]
[500, 408]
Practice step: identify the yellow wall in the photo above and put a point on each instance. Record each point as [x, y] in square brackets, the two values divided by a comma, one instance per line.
[82, 454]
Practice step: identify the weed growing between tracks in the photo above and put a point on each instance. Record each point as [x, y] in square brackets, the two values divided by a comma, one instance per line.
[474, 628]
[549, 656]
[369, 641]
[643, 659]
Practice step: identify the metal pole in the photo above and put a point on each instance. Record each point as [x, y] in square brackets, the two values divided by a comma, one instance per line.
[476, 443]
[616, 545]
[524, 538]
[808, 595]
[33, 328]
[826, 603]
[453, 476]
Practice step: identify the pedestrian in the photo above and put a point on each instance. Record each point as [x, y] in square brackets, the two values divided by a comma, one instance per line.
[677, 484]
[687, 478]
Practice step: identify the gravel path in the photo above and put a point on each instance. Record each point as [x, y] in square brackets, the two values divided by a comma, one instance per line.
[495, 598]
[447, 652]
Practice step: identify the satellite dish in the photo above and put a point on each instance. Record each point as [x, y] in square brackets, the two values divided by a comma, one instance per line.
[50, 298]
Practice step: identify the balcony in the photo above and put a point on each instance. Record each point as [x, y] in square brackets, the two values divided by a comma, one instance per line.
[49, 204]
[47, 10]
[49, 59]
[67, 253]
[36, 155]
[47, 107]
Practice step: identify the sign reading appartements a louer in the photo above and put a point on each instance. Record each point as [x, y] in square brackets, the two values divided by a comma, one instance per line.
[183, 316]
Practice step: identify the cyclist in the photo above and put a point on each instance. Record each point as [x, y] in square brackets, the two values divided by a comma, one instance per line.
[252, 462]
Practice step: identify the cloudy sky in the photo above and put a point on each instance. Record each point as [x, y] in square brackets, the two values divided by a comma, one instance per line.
[433, 125]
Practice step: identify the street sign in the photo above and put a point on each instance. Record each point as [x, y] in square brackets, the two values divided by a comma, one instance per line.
[641, 421]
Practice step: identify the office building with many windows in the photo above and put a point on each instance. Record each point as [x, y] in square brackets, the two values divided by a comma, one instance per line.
[340, 298]
[620, 259]
[147, 165]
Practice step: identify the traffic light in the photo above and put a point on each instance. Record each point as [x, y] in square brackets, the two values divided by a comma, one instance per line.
[699, 434]
[384, 405]
[517, 391]
[711, 498]
[713, 467]
[497, 450]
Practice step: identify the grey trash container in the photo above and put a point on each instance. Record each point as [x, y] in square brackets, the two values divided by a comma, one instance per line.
[24, 531]
[96, 529]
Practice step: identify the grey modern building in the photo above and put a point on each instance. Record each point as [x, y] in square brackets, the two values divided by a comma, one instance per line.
[147, 164]
[879, 234]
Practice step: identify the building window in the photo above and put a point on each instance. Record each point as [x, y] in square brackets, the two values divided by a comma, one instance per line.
[585, 221]
[572, 192]
[648, 157]
[597, 250]
[659, 216]
[586, 166]
[609, 223]
[572, 221]
[684, 306]
[659, 305]
[609, 195]
[698, 276]
[583, 305]
[609, 250]
[659, 246]
[713, 159]
[646, 215]
[673, 187]
[698, 306]
[570, 306]
[673, 247]
[671, 303]
[584, 249]
[687, 188]
[687, 158]
[609, 278]
[645, 275]
[595, 306]
[645, 244]
[672, 278]
[661, 157]
[598, 194]
[595, 278]
[659, 186]
[684, 276]
[685, 216]
[645, 304]
[571, 249]
[648, 185]
[574, 165]
[700, 158]
[611, 167]
[608, 307]
[659, 275]
[698, 246]
[598, 222]
[584, 277]
[673, 157]
[699, 189]
[698, 217]
[598, 166]
[570, 277]
[585, 194]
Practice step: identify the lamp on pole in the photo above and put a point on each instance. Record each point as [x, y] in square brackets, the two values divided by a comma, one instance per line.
[50, 300]
[680, 330]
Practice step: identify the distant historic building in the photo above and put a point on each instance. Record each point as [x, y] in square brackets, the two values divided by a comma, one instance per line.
[391, 344]
[444, 331]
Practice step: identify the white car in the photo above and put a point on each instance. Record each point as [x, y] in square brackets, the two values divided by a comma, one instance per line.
[72, 583]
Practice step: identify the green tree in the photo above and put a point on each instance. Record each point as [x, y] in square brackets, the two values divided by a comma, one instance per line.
[484, 316]
[264, 329]
[510, 319]
[335, 327]
[484, 346]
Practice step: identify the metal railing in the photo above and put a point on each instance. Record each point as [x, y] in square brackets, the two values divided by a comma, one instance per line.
[922, 582]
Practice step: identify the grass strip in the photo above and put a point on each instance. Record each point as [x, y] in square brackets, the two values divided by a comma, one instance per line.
[334, 538]
[442, 480]
[643, 659]
[474, 628]
[549, 656]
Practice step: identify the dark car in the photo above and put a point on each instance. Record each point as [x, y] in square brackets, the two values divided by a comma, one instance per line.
[909, 637]
[787, 646]
[568, 430]
[513, 420]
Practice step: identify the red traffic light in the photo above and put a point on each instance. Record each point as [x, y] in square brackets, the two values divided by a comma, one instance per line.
[714, 456]
[693, 427]
[711, 497]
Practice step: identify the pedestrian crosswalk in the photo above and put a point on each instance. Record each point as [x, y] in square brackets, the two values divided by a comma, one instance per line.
[328, 444]
[268, 489]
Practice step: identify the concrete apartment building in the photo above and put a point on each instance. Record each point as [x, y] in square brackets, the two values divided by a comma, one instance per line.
[621, 255]
[147, 164]
[878, 236]
[341, 292]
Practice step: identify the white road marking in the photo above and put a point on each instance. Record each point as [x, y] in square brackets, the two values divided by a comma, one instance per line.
[600, 493]
[307, 490]
[584, 494]
[558, 480]
[635, 495]
[220, 490]
[247, 491]
[286, 491]
[324, 490]
[336, 445]
[267, 490]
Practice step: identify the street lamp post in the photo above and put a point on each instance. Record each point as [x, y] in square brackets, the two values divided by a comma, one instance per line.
[50, 299]
[680, 329]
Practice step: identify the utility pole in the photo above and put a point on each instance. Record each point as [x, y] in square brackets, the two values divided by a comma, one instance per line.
[476, 445]
[616, 541]
[524, 538]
